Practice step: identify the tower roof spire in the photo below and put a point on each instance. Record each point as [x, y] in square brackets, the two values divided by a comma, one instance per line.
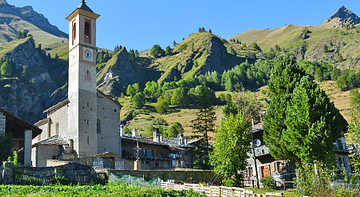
[84, 6]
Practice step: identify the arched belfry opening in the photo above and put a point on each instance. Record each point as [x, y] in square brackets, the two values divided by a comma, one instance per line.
[87, 31]
[73, 32]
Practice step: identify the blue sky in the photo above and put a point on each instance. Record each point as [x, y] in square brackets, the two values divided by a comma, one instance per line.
[139, 24]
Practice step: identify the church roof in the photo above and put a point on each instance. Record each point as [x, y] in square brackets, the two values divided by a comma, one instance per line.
[53, 140]
[57, 106]
[85, 7]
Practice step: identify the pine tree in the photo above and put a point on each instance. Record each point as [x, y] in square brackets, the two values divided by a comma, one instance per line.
[313, 124]
[284, 77]
[202, 125]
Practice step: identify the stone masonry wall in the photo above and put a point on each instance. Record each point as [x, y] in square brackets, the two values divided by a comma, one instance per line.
[2, 123]
[189, 176]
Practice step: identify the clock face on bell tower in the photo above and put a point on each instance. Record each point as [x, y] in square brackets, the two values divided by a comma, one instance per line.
[88, 54]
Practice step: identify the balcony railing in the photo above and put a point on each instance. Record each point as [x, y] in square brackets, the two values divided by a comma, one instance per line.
[261, 150]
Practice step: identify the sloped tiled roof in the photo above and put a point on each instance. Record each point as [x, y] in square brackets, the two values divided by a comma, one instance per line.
[85, 7]
[53, 140]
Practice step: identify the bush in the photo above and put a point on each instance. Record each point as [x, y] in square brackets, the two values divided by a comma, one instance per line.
[268, 182]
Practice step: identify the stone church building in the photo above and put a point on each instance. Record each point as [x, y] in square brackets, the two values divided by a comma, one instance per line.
[87, 123]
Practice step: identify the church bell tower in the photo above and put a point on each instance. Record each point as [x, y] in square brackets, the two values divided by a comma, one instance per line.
[82, 91]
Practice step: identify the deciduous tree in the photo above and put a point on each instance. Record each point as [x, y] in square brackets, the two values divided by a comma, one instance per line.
[231, 148]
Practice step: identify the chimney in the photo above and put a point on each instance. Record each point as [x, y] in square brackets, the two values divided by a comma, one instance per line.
[156, 137]
[252, 121]
[161, 138]
[181, 139]
[121, 130]
[134, 132]
[71, 142]
[185, 141]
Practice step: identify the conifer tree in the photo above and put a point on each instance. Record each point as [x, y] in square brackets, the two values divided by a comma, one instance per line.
[202, 125]
[313, 124]
[284, 77]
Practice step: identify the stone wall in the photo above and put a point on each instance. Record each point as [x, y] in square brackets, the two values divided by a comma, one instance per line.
[2, 123]
[185, 175]
[108, 122]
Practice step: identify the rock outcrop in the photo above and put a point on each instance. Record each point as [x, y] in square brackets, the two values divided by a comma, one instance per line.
[29, 97]
[117, 74]
[340, 17]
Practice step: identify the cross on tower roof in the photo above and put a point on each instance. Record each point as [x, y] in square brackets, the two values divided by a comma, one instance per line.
[83, 1]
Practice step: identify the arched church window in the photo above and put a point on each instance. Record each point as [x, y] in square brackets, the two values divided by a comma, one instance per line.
[87, 31]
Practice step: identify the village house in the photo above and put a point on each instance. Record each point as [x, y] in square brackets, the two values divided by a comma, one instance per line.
[22, 133]
[156, 150]
[283, 170]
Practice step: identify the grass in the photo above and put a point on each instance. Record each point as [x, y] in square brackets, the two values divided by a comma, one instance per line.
[288, 37]
[341, 100]
[89, 190]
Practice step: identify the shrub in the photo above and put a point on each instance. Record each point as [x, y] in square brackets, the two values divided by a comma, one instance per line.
[268, 182]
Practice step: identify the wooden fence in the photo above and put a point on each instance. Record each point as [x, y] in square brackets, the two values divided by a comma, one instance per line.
[218, 191]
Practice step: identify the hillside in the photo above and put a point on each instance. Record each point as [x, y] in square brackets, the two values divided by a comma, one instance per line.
[14, 19]
[340, 18]
[34, 77]
[307, 42]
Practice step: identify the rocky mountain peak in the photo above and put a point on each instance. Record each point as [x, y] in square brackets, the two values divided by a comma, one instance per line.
[342, 15]
[3, 2]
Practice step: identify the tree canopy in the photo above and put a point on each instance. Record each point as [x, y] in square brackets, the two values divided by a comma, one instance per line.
[301, 122]
[202, 125]
[156, 51]
[231, 148]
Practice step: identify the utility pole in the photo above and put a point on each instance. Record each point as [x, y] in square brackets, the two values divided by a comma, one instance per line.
[253, 149]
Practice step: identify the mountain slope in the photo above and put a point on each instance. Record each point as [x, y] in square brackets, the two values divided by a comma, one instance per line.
[34, 78]
[14, 19]
[340, 17]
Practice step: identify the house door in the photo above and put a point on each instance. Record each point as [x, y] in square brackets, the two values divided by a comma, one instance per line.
[265, 171]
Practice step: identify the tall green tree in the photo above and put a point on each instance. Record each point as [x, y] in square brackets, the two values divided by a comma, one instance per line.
[138, 100]
[168, 50]
[354, 131]
[203, 125]
[175, 130]
[162, 105]
[156, 50]
[231, 148]
[283, 79]
[313, 124]
[246, 102]
[6, 69]
[179, 97]
[130, 91]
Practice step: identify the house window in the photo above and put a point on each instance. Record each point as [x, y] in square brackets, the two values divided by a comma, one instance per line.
[57, 128]
[342, 162]
[88, 141]
[87, 31]
[98, 126]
